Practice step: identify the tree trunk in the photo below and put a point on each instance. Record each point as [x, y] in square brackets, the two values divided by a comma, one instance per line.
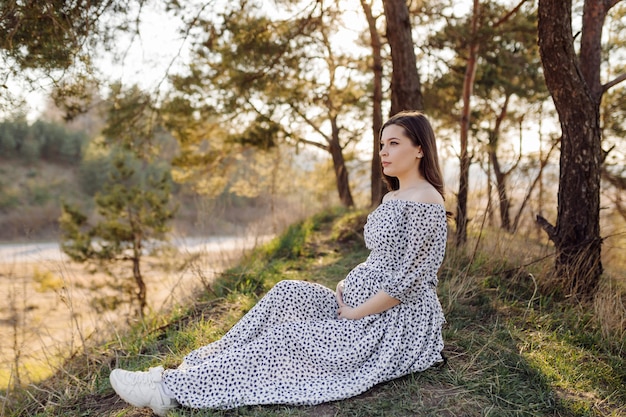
[377, 184]
[503, 199]
[339, 165]
[461, 207]
[576, 235]
[405, 82]
[538, 180]
[142, 291]
[468, 86]
[489, 195]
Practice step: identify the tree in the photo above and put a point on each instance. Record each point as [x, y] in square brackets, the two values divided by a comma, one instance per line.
[376, 176]
[17, 139]
[464, 157]
[406, 93]
[574, 81]
[133, 208]
[482, 42]
[46, 35]
[613, 119]
[50, 37]
[473, 47]
[508, 82]
[278, 79]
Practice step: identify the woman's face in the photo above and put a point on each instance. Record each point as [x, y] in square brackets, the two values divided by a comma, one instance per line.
[399, 156]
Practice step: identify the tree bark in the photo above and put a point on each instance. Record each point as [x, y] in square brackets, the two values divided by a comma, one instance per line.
[503, 199]
[339, 164]
[504, 202]
[571, 82]
[468, 86]
[405, 82]
[377, 184]
[142, 291]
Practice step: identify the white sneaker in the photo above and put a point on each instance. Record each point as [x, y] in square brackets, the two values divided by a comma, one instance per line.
[143, 389]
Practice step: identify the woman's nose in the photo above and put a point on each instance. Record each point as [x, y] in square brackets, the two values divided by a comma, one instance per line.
[383, 150]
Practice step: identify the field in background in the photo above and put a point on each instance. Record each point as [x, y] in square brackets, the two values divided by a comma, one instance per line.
[54, 307]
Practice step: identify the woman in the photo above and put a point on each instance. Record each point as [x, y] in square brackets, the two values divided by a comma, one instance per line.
[305, 344]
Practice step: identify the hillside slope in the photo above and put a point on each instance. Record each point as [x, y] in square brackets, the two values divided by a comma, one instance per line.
[31, 194]
[511, 351]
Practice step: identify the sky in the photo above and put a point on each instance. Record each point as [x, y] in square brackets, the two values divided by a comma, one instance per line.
[149, 55]
[145, 63]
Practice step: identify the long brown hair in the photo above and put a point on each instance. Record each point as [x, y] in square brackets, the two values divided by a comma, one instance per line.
[418, 129]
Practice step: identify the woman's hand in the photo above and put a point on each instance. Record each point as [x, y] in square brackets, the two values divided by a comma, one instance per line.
[339, 293]
[344, 311]
[347, 312]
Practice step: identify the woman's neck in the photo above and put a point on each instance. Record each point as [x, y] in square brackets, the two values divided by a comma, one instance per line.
[407, 183]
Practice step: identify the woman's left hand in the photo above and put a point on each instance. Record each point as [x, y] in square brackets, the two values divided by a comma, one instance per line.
[339, 293]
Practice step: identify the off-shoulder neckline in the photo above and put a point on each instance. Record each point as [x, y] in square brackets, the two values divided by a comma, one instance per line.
[419, 203]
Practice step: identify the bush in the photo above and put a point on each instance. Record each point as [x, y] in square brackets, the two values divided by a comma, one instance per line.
[7, 145]
[30, 149]
[94, 171]
[9, 198]
[42, 140]
[57, 143]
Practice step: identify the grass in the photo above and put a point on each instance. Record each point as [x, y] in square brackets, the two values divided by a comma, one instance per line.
[512, 351]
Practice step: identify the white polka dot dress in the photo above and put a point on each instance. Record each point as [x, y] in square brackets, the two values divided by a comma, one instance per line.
[292, 349]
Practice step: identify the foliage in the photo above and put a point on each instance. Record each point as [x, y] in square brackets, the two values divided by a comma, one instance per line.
[41, 140]
[58, 40]
[47, 281]
[94, 168]
[134, 210]
[46, 35]
[508, 81]
[132, 121]
[272, 80]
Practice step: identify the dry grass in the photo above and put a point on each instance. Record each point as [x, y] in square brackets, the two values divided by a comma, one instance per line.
[609, 307]
[59, 307]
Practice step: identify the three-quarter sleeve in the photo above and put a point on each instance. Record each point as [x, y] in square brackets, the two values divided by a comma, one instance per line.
[418, 250]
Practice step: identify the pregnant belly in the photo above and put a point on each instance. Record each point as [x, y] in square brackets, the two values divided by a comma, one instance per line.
[360, 284]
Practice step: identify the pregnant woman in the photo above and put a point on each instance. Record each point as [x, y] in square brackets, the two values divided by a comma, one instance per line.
[304, 344]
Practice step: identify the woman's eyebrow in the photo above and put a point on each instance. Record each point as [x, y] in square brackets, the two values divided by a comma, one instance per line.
[391, 138]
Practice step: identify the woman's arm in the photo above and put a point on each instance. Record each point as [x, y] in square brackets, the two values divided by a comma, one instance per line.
[379, 302]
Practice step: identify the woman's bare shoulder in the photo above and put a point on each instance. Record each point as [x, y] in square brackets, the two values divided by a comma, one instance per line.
[428, 195]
